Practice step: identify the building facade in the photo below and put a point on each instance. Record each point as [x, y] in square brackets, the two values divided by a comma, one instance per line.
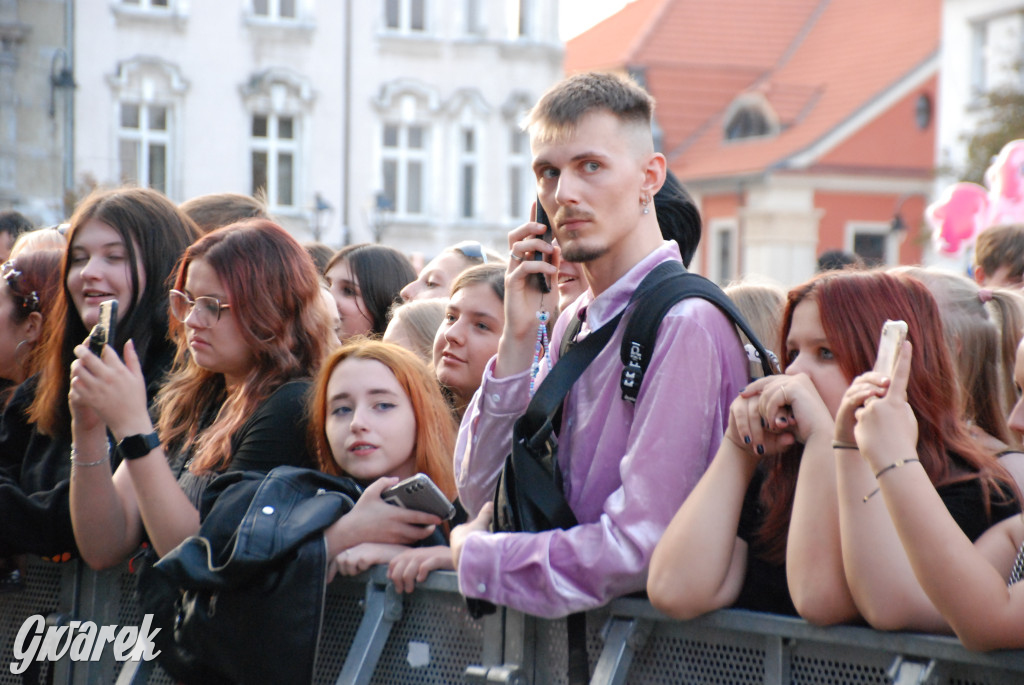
[388, 120]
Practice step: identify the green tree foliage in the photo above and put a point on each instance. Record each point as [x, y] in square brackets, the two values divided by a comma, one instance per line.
[1002, 122]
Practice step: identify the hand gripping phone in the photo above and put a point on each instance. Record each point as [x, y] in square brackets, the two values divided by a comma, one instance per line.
[420, 493]
[893, 335]
[105, 331]
[540, 281]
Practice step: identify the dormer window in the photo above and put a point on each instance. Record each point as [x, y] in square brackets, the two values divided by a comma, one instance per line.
[750, 116]
[747, 122]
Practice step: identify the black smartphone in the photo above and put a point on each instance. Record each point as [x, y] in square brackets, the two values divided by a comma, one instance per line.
[420, 493]
[540, 281]
[105, 331]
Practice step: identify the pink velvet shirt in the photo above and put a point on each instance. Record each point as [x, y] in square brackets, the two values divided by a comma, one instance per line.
[626, 468]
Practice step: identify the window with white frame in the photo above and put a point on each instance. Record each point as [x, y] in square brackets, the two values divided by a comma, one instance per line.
[155, 5]
[275, 9]
[148, 93]
[876, 243]
[979, 58]
[527, 18]
[274, 153]
[405, 16]
[403, 165]
[723, 250]
[520, 176]
[467, 172]
[474, 17]
[278, 103]
[143, 142]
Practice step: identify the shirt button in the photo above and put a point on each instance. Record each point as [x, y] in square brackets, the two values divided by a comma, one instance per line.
[495, 397]
[268, 510]
[481, 587]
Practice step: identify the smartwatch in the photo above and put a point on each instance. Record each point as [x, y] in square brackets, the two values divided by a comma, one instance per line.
[137, 446]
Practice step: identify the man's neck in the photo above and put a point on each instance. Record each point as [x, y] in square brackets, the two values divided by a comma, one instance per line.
[603, 272]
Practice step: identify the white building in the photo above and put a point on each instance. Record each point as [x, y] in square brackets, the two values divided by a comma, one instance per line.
[982, 49]
[389, 119]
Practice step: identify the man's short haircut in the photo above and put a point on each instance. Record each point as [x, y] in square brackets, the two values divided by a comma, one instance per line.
[217, 210]
[1001, 246]
[561, 108]
[14, 223]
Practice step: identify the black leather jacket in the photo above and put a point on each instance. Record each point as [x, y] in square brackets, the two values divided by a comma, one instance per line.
[248, 591]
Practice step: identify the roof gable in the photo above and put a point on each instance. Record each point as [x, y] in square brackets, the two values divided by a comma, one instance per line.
[823, 67]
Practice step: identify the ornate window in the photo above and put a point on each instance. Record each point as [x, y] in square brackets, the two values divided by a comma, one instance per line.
[278, 103]
[405, 16]
[148, 93]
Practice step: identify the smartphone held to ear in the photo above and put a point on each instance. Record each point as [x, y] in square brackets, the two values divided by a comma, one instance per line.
[105, 331]
[540, 281]
[893, 335]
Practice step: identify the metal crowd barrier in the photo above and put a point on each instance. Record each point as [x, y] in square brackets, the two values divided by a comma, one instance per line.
[371, 634]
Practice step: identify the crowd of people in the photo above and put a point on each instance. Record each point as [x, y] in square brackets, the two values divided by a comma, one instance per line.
[829, 490]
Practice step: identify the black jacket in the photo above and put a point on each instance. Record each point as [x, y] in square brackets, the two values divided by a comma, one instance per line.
[257, 567]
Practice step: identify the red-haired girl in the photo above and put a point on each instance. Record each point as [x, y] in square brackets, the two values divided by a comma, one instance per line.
[251, 330]
[782, 499]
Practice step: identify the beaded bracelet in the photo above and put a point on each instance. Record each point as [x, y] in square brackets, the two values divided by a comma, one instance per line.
[895, 465]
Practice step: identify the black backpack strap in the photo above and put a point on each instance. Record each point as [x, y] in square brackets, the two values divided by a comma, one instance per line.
[577, 356]
[645, 319]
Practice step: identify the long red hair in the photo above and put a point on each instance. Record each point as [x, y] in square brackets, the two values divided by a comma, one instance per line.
[853, 305]
[274, 292]
[435, 427]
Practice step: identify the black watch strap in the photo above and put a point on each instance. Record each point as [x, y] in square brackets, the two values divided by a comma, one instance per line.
[137, 446]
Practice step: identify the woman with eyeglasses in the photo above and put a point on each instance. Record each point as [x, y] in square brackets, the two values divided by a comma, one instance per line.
[436, 277]
[251, 329]
[122, 244]
[365, 281]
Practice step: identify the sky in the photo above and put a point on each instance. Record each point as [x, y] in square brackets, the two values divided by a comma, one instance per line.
[576, 16]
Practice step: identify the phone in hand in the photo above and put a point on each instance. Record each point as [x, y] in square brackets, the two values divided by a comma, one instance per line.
[105, 331]
[893, 335]
[420, 493]
[540, 281]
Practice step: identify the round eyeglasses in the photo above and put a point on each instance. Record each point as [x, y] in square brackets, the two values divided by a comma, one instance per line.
[207, 309]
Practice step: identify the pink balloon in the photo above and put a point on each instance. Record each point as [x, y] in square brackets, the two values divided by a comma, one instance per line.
[1005, 179]
[958, 216]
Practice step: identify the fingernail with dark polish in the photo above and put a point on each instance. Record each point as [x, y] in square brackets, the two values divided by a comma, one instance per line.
[760, 449]
[746, 439]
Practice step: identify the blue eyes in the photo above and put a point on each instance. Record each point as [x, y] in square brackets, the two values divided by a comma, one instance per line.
[346, 410]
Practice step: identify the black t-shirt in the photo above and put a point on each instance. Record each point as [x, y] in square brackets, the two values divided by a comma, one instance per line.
[764, 586]
[275, 435]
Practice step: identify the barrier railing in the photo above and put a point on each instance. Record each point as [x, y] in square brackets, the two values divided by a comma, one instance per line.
[371, 634]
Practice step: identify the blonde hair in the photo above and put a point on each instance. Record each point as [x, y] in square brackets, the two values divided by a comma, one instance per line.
[972, 319]
[420, 320]
[761, 303]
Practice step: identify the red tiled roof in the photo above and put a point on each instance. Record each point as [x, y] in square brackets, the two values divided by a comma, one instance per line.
[817, 63]
[609, 44]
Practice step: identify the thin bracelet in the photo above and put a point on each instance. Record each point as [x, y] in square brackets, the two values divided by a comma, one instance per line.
[75, 462]
[843, 445]
[895, 465]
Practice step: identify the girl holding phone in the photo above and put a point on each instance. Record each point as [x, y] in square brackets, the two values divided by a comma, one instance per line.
[122, 244]
[779, 521]
[379, 417]
[966, 581]
[251, 329]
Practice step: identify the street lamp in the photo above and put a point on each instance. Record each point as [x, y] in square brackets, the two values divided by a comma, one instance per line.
[320, 206]
[382, 211]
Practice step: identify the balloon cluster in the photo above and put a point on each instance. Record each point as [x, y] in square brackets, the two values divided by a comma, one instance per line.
[966, 209]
